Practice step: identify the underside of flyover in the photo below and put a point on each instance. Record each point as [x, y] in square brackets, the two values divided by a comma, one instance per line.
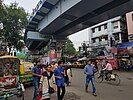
[80, 16]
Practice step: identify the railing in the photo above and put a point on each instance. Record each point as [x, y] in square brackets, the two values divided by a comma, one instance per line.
[40, 3]
[100, 43]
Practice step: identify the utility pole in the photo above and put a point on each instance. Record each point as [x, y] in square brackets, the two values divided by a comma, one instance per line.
[109, 33]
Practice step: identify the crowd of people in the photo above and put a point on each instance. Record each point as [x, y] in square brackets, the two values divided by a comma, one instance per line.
[50, 78]
[54, 77]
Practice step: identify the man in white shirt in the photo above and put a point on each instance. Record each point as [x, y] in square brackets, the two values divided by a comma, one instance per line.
[108, 68]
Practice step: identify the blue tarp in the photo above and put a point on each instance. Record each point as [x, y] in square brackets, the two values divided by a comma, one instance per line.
[125, 45]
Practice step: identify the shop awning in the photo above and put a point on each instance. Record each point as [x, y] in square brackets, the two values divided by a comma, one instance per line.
[125, 45]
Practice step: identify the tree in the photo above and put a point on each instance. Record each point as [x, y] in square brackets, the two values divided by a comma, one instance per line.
[14, 19]
[69, 49]
[2, 16]
[1, 1]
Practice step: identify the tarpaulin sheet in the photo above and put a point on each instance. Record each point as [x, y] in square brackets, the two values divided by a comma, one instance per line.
[125, 45]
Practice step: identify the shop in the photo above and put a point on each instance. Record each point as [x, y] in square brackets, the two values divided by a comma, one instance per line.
[125, 56]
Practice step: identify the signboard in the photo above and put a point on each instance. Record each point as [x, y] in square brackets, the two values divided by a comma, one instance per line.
[45, 60]
[52, 54]
[59, 55]
[122, 51]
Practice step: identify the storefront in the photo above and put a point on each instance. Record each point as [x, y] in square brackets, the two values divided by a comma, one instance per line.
[125, 55]
[125, 50]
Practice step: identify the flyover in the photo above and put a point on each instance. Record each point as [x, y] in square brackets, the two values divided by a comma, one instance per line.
[61, 18]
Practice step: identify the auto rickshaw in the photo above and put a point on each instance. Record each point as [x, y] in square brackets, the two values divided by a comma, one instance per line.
[26, 76]
[10, 84]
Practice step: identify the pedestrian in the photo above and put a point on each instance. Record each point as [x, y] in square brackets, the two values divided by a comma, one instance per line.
[89, 70]
[45, 85]
[99, 66]
[69, 72]
[52, 68]
[36, 71]
[59, 79]
[50, 76]
[68, 75]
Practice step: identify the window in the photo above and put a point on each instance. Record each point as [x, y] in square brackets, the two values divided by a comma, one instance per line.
[93, 30]
[100, 39]
[115, 24]
[105, 26]
[103, 39]
[99, 28]
[115, 27]
[93, 40]
[106, 38]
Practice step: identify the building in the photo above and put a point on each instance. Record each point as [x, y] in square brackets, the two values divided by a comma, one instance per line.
[129, 18]
[111, 30]
[125, 49]
[105, 36]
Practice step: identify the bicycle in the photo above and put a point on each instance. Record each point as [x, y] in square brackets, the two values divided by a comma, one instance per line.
[111, 78]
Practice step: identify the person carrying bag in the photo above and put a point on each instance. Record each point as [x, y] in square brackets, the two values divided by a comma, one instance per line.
[44, 86]
[51, 89]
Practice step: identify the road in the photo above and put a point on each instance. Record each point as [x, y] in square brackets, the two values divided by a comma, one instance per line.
[105, 91]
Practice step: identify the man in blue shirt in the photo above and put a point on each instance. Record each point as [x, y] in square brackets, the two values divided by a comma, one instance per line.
[59, 79]
[89, 70]
[36, 71]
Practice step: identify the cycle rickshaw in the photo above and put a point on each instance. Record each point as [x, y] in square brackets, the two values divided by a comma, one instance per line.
[10, 84]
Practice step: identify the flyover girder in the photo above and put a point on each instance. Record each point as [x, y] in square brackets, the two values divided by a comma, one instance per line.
[83, 14]
[69, 16]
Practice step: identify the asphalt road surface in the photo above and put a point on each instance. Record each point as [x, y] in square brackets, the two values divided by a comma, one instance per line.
[105, 91]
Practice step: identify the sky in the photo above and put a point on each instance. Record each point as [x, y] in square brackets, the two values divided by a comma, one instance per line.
[29, 5]
[79, 38]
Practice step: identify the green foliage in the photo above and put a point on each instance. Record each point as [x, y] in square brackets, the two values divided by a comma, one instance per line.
[14, 19]
[69, 49]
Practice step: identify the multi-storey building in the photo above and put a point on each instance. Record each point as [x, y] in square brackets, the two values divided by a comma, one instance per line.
[113, 29]
[129, 18]
[105, 36]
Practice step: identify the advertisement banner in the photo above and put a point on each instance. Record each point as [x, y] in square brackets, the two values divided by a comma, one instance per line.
[58, 55]
[52, 54]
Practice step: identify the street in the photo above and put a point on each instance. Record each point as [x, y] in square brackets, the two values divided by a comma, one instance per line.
[105, 91]
[40, 36]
